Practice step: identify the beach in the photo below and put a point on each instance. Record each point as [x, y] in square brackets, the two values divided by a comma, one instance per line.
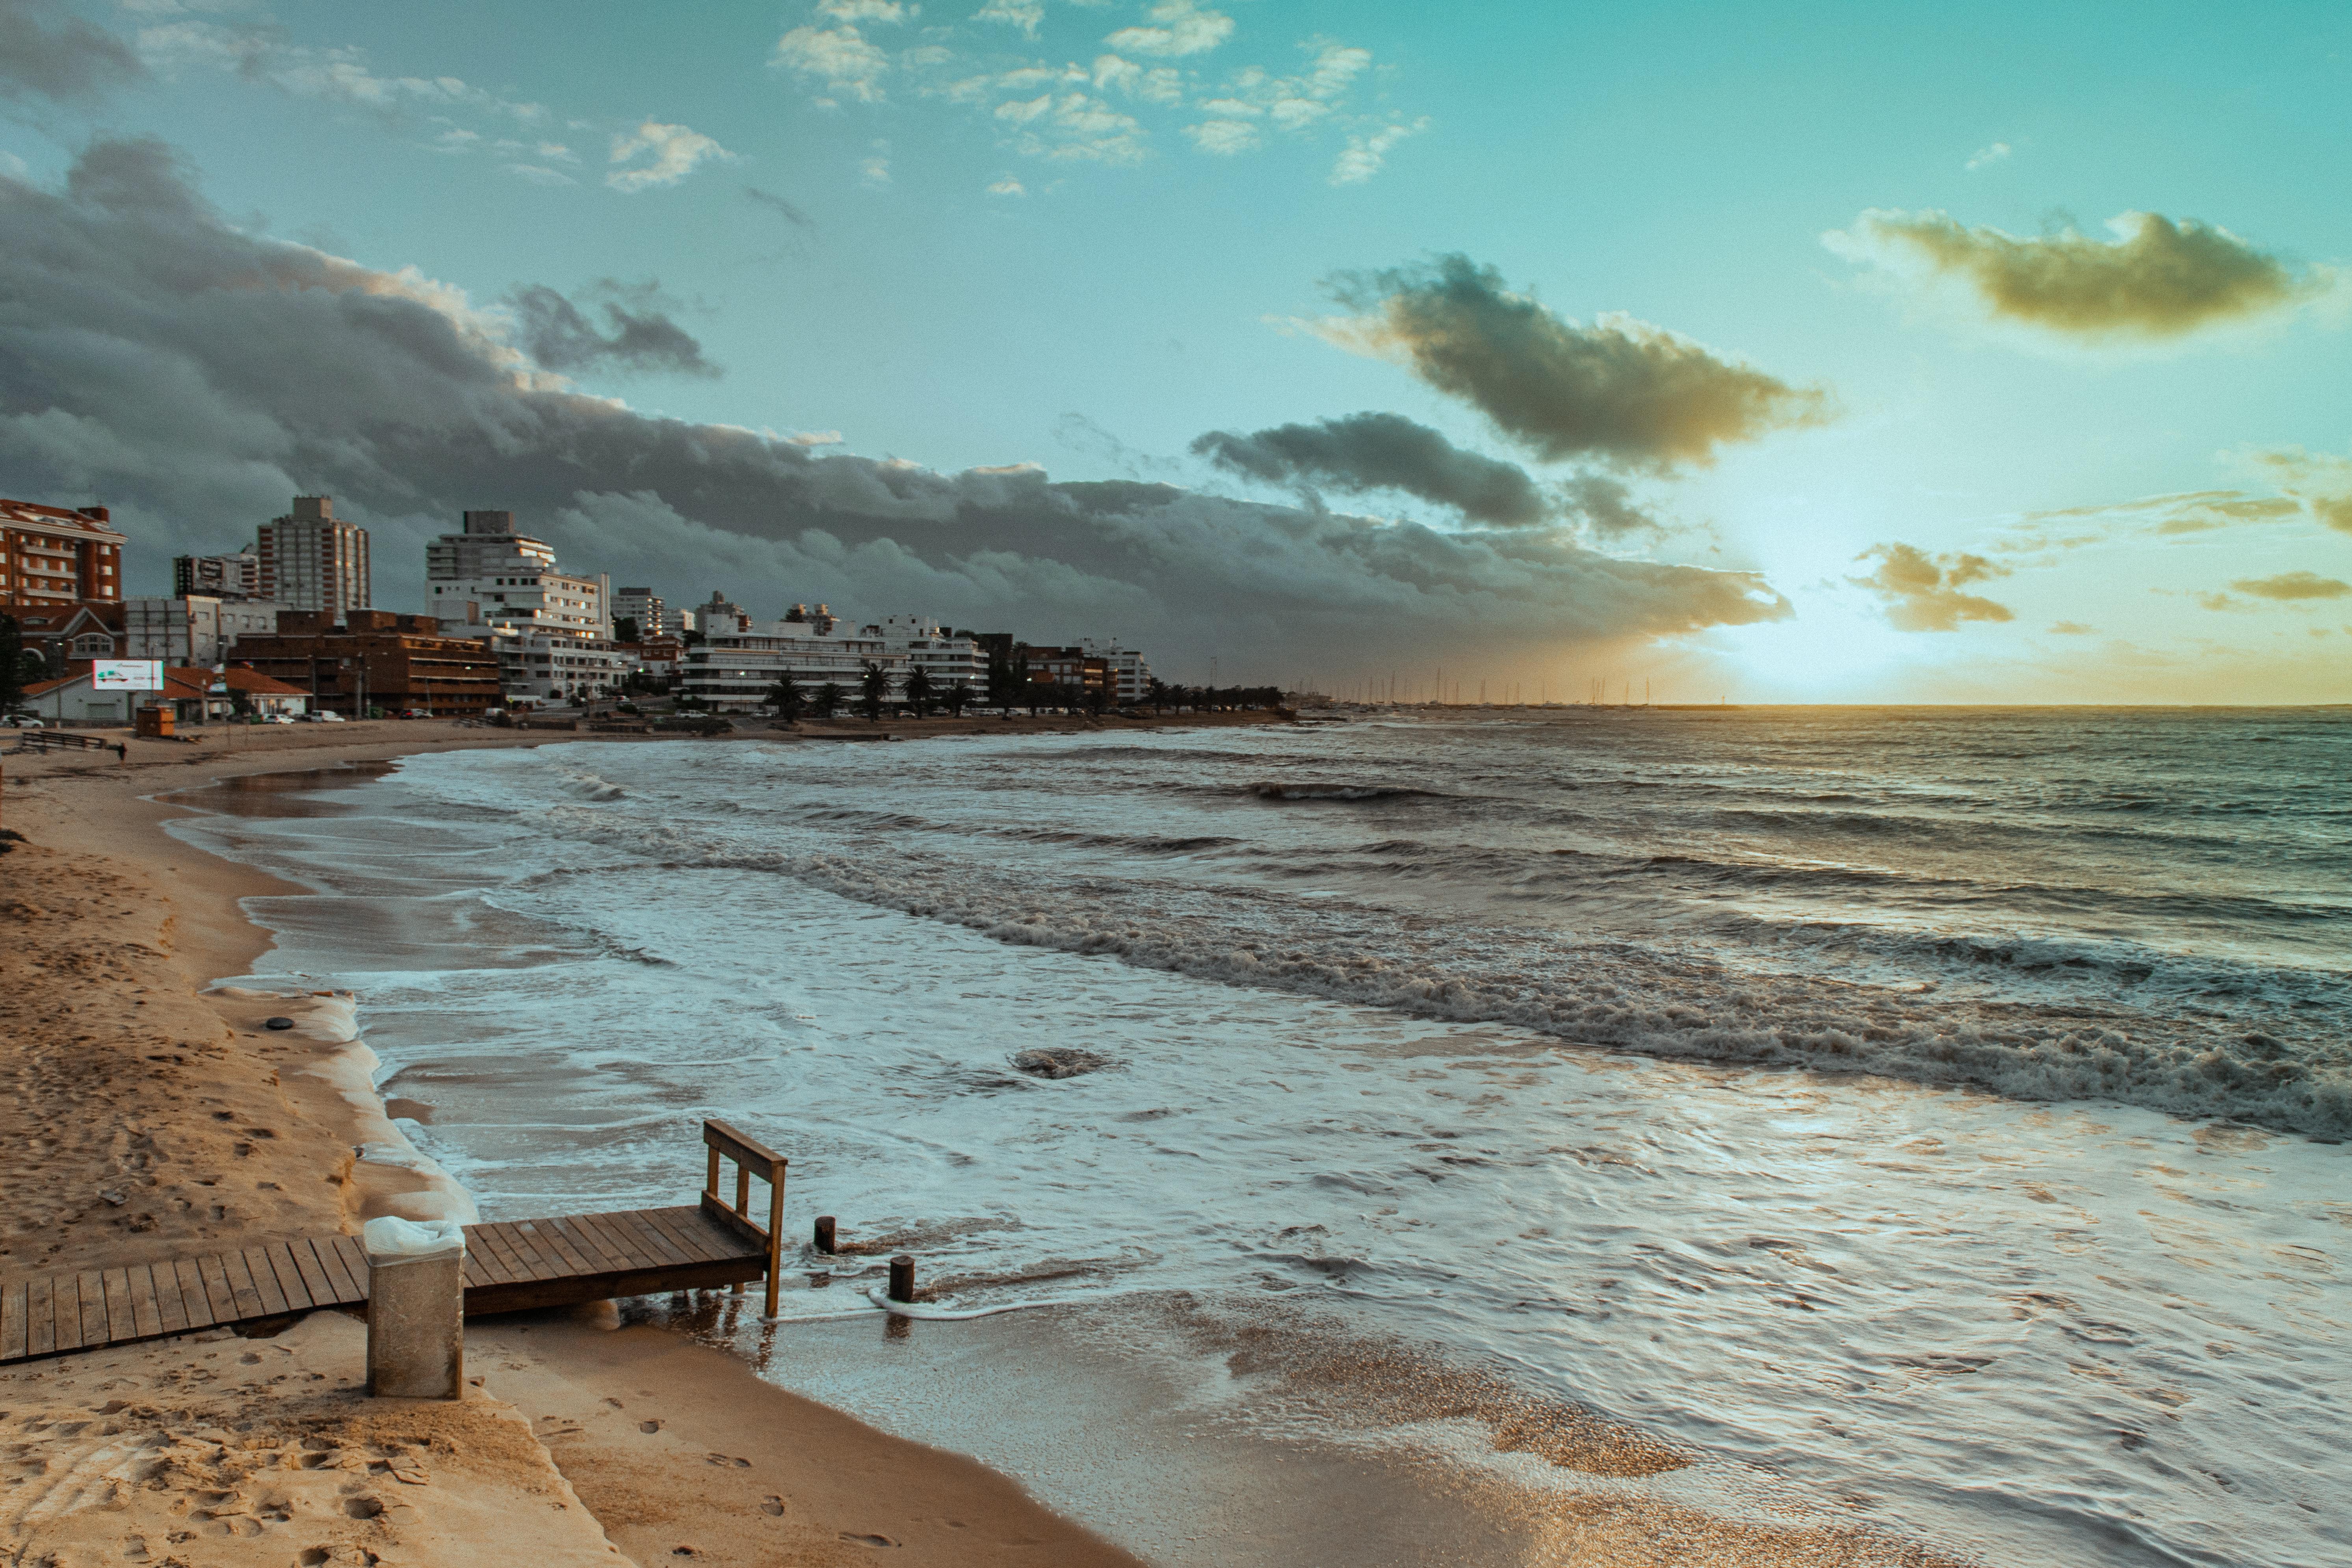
[1336, 1232]
[172, 1121]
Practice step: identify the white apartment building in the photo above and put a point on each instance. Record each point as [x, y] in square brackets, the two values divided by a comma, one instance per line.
[490, 576]
[738, 662]
[312, 560]
[942, 654]
[1130, 678]
[194, 630]
[644, 606]
[542, 667]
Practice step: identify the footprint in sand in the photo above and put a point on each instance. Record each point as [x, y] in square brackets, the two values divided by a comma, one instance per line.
[771, 1504]
[648, 1425]
[867, 1540]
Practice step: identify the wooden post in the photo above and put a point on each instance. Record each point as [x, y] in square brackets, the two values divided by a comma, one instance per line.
[744, 1189]
[710, 1181]
[775, 1233]
[902, 1278]
[825, 1233]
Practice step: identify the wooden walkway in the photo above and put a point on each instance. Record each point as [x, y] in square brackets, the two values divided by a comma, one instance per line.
[511, 1265]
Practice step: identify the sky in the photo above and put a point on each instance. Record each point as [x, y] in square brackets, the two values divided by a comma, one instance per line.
[1762, 354]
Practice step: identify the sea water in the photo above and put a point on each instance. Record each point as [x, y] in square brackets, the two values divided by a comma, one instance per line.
[1923, 1125]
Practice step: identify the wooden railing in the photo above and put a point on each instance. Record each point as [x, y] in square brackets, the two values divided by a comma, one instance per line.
[752, 1158]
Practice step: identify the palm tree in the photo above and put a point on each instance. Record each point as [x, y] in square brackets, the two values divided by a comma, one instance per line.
[1156, 693]
[873, 691]
[787, 698]
[828, 699]
[918, 691]
[956, 698]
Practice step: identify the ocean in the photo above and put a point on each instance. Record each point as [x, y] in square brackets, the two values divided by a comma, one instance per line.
[1921, 1128]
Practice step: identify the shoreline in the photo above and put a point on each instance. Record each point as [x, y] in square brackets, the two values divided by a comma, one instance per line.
[127, 933]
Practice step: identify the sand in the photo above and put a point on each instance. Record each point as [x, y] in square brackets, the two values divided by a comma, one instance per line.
[163, 1119]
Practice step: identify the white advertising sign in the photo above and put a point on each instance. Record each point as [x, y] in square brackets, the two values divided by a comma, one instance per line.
[126, 675]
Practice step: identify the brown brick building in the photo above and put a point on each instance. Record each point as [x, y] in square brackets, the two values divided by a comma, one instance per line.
[1074, 667]
[53, 559]
[376, 657]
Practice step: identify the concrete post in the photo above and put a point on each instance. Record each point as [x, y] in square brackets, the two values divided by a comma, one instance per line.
[416, 1309]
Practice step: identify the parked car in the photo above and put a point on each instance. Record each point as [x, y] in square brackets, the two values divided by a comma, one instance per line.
[278, 718]
[327, 716]
[24, 721]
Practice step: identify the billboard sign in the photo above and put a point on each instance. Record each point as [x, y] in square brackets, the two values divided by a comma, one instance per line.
[126, 675]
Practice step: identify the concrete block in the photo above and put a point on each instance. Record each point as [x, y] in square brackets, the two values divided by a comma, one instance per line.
[416, 1309]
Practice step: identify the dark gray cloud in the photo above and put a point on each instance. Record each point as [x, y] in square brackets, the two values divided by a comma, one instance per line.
[559, 335]
[1363, 452]
[2156, 279]
[780, 207]
[46, 52]
[194, 377]
[1619, 390]
[1922, 592]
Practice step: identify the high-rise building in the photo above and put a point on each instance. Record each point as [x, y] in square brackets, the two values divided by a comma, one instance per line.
[52, 558]
[490, 576]
[312, 560]
[236, 575]
[1130, 678]
[644, 606]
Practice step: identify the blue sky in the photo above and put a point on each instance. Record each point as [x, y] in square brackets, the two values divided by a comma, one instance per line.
[986, 249]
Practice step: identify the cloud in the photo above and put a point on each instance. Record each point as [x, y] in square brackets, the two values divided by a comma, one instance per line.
[196, 376]
[670, 153]
[47, 52]
[1620, 391]
[874, 169]
[1022, 14]
[1381, 452]
[780, 207]
[2320, 482]
[2072, 628]
[2294, 587]
[335, 75]
[1183, 30]
[1006, 185]
[841, 57]
[864, 10]
[1226, 138]
[558, 336]
[1368, 153]
[1985, 157]
[539, 174]
[2157, 279]
[1922, 593]
[1073, 126]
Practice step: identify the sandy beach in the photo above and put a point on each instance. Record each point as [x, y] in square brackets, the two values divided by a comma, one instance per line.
[171, 1120]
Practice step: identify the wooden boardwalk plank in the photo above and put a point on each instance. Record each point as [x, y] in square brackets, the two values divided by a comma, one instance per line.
[218, 1292]
[13, 1331]
[330, 1263]
[498, 1258]
[40, 1318]
[523, 1261]
[554, 1246]
[265, 1280]
[290, 1283]
[93, 1307]
[169, 1309]
[242, 1290]
[147, 1319]
[122, 1317]
[196, 1293]
[355, 1262]
[653, 1242]
[314, 1278]
[693, 1234]
[605, 1252]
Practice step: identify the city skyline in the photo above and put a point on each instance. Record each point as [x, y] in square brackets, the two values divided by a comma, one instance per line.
[1870, 358]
